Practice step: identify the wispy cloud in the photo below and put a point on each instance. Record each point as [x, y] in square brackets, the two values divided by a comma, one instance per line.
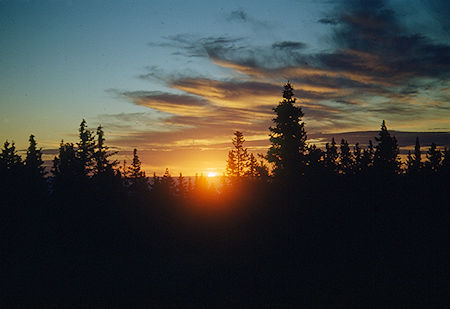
[241, 16]
[375, 69]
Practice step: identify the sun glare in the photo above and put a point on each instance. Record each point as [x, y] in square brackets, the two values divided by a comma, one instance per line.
[212, 174]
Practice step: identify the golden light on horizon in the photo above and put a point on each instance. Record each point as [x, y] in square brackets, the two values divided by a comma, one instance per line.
[212, 174]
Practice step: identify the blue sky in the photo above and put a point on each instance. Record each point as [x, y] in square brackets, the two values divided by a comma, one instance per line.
[181, 76]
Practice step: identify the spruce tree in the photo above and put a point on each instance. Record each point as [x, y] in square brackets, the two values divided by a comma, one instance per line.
[252, 166]
[386, 158]
[103, 166]
[413, 161]
[86, 148]
[434, 157]
[34, 169]
[331, 157]
[67, 164]
[68, 171]
[167, 182]
[135, 175]
[134, 170]
[367, 158]
[357, 155]
[11, 168]
[33, 160]
[11, 176]
[315, 160]
[156, 182]
[262, 170]
[181, 186]
[238, 157]
[10, 160]
[231, 164]
[346, 160]
[288, 137]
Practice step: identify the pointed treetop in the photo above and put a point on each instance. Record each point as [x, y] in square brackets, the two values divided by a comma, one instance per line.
[288, 91]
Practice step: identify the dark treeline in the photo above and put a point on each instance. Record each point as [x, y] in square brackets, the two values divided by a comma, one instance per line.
[343, 226]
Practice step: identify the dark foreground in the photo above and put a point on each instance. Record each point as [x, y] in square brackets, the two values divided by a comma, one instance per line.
[339, 243]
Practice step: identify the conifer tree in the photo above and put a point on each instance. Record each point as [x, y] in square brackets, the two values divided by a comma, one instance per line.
[134, 170]
[262, 170]
[434, 157]
[231, 164]
[367, 158]
[102, 164]
[445, 164]
[237, 158]
[252, 166]
[34, 170]
[346, 160]
[200, 183]
[288, 137]
[167, 182]
[357, 154]
[11, 175]
[68, 170]
[136, 177]
[181, 186]
[331, 156]
[315, 162]
[413, 161]
[86, 148]
[33, 160]
[156, 182]
[386, 152]
[10, 160]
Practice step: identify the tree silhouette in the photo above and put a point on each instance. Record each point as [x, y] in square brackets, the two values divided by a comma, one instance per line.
[181, 187]
[33, 160]
[434, 157]
[135, 175]
[67, 164]
[34, 170]
[315, 160]
[11, 168]
[331, 157]
[288, 137]
[357, 155]
[134, 170]
[200, 183]
[68, 170]
[262, 170]
[367, 158]
[252, 166]
[86, 148]
[386, 152]
[231, 164]
[102, 164]
[413, 162]
[237, 157]
[10, 160]
[167, 182]
[346, 160]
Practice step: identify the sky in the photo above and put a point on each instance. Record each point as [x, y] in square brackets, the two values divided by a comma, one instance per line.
[175, 79]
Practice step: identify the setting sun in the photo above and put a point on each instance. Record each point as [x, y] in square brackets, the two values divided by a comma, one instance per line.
[212, 174]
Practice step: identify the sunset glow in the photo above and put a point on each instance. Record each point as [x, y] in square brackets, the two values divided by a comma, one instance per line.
[255, 154]
[178, 92]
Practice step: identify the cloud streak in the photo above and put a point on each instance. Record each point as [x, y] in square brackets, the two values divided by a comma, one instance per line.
[374, 68]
